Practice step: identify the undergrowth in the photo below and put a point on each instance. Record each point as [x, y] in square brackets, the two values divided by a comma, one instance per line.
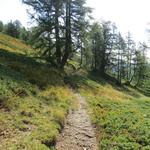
[34, 100]
[121, 114]
[14, 45]
[34, 122]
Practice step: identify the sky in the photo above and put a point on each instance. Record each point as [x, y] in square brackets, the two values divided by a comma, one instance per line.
[12, 10]
[129, 15]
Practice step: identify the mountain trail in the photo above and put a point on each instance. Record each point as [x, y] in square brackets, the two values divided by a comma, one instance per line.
[78, 132]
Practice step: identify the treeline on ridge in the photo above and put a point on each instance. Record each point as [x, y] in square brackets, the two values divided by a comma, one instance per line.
[65, 31]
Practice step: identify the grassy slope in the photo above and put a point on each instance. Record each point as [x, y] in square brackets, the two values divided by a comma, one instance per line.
[33, 99]
[13, 45]
[34, 102]
[121, 115]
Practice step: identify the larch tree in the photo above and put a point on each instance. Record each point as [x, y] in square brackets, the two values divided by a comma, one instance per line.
[1, 26]
[57, 23]
[141, 72]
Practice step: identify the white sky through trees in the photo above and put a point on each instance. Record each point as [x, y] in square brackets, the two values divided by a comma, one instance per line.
[12, 10]
[129, 15]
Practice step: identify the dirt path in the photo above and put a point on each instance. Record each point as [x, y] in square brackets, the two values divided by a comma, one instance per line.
[78, 133]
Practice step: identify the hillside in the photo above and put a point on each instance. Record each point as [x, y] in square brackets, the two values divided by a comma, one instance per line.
[120, 114]
[35, 100]
[13, 45]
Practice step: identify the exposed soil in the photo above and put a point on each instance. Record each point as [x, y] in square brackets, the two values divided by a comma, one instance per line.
[78, 133]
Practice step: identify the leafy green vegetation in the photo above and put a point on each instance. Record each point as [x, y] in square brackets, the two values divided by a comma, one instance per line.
[14, 45]
[34, 100]
[34, 122]
[121, 114]
[13, 83]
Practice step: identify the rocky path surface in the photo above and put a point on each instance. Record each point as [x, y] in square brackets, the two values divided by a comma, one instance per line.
[78, 133]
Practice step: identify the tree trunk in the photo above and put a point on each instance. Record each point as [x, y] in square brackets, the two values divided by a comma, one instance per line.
[103, 62]
[68, 34]
[81, 59]
[58, 48]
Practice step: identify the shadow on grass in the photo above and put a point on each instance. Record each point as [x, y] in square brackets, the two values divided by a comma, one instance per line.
[129, 90]
[78, 80]
[12, 56]
[34, 72]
